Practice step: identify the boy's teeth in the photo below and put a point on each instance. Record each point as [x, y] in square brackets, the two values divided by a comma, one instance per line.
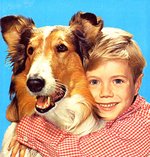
[107, 105]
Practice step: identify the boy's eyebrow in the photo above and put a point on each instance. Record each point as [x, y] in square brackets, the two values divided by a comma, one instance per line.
[92, 76]
[119, 76]
[97, 76]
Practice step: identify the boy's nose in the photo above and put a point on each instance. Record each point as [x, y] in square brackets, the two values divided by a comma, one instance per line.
[106, 91]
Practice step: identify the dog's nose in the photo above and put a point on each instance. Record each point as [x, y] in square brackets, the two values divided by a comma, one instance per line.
[35, 84]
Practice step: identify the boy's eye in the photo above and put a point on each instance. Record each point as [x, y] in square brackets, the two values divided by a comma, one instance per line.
[118, 81]
[93, 82]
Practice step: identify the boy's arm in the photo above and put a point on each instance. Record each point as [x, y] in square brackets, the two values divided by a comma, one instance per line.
[40, 135]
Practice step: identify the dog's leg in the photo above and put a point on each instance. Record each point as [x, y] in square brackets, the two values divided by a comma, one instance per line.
[7, 139]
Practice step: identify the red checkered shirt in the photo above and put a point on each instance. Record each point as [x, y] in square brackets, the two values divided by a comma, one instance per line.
[127, 136]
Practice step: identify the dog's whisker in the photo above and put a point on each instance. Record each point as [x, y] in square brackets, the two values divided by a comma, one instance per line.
[59, 84]
[59, 88]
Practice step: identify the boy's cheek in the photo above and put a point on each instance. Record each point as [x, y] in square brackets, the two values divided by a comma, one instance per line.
[94, 92]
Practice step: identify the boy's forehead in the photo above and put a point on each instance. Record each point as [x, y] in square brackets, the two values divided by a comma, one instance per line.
[116, 64]
[111, 68]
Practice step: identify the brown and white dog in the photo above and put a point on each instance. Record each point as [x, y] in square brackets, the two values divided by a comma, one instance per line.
[48, 75]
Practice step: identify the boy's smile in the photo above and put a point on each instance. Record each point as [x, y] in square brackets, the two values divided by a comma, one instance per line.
[113, 87]
[106, 106]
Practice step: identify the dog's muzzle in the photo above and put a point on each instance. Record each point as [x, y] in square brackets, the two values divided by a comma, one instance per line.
[45, 102]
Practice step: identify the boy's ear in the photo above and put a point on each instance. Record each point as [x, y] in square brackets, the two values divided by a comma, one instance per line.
[138, 84]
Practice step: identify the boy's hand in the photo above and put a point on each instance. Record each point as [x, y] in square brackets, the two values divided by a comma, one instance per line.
[17, 148]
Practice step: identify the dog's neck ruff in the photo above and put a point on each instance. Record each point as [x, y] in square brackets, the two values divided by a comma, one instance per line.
[91, 124]
[68, 115]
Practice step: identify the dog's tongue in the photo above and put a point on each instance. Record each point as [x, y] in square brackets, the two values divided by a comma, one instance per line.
[44, 103]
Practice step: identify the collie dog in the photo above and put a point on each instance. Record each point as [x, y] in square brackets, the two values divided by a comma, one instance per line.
[48, 75]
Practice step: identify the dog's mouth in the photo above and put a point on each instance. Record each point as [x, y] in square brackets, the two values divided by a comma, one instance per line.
[46, 103]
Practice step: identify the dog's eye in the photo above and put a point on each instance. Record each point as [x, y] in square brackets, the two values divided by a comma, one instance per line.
[61, 48]
[30, 50]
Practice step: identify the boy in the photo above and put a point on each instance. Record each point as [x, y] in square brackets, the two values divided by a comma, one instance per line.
[114, 73]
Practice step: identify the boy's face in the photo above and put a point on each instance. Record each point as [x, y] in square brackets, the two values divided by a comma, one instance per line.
[113, 88]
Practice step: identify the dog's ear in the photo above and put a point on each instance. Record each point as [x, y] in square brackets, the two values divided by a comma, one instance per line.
[13, 26]
[16, 31]
[86, 27]
[88, 24]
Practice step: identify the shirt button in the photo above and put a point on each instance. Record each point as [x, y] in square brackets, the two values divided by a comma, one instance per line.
[33, 153]
[25, 138]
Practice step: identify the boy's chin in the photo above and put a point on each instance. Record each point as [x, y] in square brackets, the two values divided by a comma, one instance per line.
[108, 117]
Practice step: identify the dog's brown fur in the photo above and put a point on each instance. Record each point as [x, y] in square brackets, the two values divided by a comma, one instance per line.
[21, 34]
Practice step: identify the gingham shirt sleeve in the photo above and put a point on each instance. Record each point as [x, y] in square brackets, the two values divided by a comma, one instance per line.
[128, 136]
[38, 134]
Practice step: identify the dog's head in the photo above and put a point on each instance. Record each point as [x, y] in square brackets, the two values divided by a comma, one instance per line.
[47, 62]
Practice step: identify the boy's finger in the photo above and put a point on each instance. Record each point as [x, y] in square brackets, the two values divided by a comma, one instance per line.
[15, 149]
[22, 151]
[12, 143]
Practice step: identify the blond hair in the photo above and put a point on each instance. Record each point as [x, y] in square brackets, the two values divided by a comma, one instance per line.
[117, 44]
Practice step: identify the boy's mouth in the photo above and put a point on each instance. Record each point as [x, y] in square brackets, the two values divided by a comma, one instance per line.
[45, 103]
[106, 106]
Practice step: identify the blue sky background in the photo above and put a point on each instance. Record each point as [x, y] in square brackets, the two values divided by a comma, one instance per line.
[130, 15]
